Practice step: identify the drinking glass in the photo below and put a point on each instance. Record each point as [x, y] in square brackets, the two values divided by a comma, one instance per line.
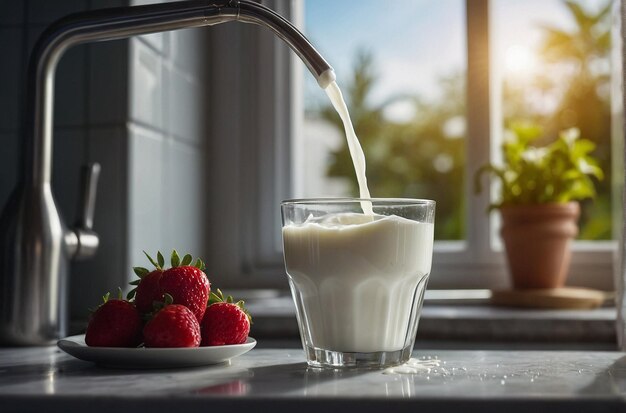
[358, 280]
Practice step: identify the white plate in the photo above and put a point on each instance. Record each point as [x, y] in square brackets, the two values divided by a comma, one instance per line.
[153, 358]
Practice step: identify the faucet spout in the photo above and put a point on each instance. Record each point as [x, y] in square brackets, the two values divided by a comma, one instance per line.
[35, 245]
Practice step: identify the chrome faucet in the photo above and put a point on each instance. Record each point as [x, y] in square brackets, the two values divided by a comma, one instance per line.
[35, 244]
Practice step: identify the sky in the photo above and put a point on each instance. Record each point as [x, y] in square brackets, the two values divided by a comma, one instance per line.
[417, 41]
[412, 40]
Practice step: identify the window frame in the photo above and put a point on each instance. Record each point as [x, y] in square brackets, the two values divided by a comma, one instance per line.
[267, 170]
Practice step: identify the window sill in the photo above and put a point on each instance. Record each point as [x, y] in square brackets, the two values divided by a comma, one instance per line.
[468, 323]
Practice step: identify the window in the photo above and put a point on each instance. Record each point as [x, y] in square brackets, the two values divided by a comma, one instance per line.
[406, 83]
[432, 79]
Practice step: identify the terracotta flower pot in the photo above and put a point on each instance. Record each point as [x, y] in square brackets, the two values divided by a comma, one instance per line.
[537, 240]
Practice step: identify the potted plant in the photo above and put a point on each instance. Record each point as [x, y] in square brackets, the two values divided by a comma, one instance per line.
[539, 190]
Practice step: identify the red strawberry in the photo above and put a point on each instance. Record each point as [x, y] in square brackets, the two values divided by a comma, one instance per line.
[148, 291]
[173, 326]
[188, 285]
[116, 323]
[224, 322]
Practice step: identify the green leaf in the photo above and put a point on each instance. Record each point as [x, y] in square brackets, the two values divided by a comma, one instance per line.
[135, 282]
[557, 172]
[152, 261]
[119, 293]
[200, 265]
[175, 259]
[141, 272]
[161, 259]
[131, 294]
[105, 297]
[186, 259]
[215, 297]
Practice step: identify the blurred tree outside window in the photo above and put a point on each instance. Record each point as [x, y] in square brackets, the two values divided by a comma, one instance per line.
[404, 83]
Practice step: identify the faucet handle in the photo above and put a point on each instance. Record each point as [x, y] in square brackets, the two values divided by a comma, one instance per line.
[90, 174]
[86, 241]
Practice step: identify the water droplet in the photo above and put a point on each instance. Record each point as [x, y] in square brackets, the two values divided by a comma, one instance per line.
[502, 382]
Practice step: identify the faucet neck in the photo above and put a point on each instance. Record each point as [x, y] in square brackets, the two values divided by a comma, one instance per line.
[124, 22]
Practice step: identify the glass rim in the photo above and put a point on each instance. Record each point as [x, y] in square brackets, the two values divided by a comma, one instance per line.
[347, 200]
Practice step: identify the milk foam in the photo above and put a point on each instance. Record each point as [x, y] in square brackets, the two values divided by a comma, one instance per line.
[356, 277]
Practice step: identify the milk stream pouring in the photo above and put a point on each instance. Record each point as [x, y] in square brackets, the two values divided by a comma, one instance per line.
[354, 146]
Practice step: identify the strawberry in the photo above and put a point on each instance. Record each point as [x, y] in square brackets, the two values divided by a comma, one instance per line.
[188, 285]
[116, 323]
[224, 322]
[172, 326]
[148, 291]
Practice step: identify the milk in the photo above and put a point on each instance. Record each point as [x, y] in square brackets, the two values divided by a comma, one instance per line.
[356, 277]
[354, 146]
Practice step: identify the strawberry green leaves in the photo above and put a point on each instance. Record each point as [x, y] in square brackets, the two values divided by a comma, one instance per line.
[187, 259]
[175, 260]
[160, 259]
[141, 272]
[159, 265]
[200, 265]
[152, 261]
[218, 297]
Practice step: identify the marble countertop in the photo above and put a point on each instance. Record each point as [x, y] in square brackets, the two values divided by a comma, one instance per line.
[38, 379]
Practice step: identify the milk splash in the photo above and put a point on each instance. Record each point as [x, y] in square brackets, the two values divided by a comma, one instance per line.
[414, 366]
[356, 151]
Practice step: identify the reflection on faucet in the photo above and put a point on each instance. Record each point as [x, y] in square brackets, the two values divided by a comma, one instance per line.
[35, 244]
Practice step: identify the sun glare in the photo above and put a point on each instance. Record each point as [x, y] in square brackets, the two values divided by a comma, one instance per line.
[519, 61]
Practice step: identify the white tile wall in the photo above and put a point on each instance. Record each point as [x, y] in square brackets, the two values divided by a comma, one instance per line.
[184, 199]
[147, 86]
[188, 48]
[159, 42]
[187, 111]
[146, 193]
[179, 102]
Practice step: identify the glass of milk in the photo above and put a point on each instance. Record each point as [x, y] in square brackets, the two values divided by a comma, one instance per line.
[358, 278]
